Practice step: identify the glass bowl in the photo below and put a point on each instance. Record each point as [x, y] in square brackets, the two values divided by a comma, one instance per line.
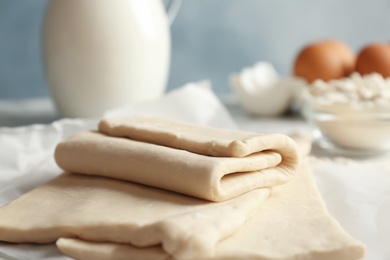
[349, 130]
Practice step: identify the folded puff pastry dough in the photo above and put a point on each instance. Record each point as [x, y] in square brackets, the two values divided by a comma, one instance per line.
[204, 162]
[105, 218]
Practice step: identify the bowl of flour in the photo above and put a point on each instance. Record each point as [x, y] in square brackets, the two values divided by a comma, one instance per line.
[350, 115]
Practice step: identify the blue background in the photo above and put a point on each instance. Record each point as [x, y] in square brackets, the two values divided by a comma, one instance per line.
[210, 39]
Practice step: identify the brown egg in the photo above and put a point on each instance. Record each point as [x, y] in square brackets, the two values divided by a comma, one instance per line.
[374, 57]
[326, 60]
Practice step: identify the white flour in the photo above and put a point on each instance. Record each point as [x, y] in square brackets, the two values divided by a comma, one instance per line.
[359, 91]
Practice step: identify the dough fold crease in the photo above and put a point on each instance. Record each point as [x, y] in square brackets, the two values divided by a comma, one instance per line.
[204, 162]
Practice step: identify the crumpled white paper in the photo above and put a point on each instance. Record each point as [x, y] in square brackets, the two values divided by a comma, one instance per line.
[357, 194]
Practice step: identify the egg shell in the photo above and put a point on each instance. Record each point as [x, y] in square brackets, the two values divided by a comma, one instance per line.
[326, 60]
[374, 57]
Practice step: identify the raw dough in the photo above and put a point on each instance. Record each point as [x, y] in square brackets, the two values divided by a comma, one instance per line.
[265, 160]
[197, 138]
[103, 209]
[292, 223]
[114, 218]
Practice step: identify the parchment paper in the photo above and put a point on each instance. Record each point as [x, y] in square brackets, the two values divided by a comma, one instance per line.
[357, 194]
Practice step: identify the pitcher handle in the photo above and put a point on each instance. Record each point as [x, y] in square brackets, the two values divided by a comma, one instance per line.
[172, 10]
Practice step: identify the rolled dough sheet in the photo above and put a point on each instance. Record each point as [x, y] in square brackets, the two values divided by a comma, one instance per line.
[187, 172]
[103, 209]
[292, 223]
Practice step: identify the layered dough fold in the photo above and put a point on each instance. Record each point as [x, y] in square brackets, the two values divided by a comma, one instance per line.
[204, 162]
[125, 195]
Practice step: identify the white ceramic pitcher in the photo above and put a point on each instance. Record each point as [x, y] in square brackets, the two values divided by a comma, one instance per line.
[102, 54]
